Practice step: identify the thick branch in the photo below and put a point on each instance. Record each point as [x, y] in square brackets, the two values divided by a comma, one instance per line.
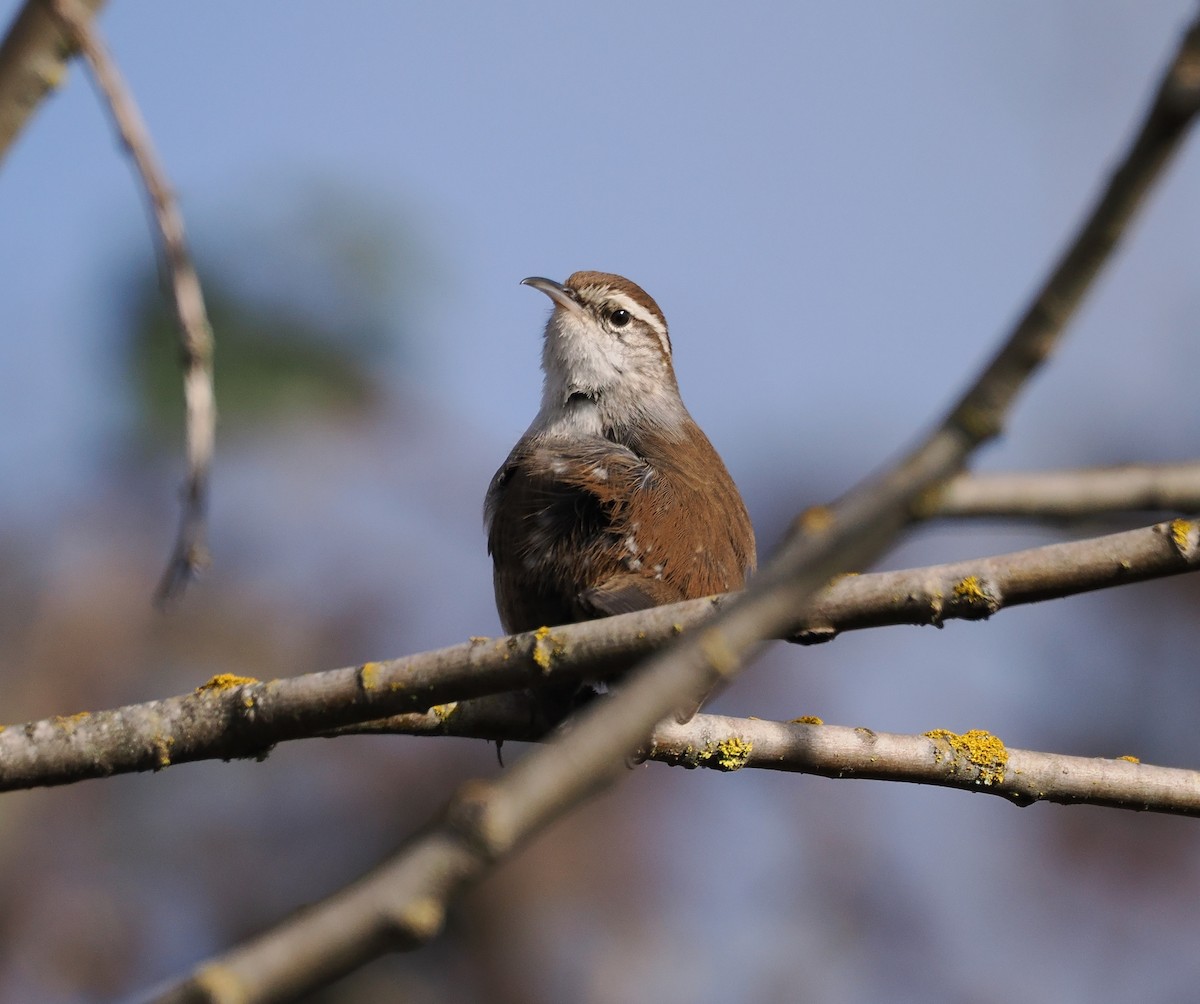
[1074, 494]
[189, 553]
[33, 61]
[234, 717]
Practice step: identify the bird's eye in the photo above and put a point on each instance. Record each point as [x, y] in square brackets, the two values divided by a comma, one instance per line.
[619, 318]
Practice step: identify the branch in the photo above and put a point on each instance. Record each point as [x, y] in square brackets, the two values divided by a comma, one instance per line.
[1071, 494]
[974, 761]
[402, 902]
[189, 554]
[979, 587]
[33, 61]
[232, 717]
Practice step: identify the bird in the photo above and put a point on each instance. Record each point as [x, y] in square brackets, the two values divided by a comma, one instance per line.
[613, 500]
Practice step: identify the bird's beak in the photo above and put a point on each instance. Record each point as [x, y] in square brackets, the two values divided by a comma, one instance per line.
[563, 296]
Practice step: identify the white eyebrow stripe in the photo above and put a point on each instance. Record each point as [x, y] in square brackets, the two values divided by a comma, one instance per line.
[651, 320]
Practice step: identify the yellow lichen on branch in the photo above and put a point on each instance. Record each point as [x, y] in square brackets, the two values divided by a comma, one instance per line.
[368, 676]
[1182, 531]
[162, 751]
[977, 596]
[225, 681]
[984, 751]
[546, 646]
[728, 754]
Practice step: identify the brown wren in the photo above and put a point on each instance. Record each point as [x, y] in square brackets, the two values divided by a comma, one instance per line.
[613, 500]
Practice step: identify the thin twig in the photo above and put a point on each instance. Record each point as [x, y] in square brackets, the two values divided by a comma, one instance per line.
[33, 61]
[236, 717]
[402, 902]
[973, 761]
[1064, 495]
[190, 553]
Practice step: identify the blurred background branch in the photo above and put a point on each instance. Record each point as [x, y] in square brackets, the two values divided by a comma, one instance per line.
[33, 61]
[189, 553]
[1077, 494]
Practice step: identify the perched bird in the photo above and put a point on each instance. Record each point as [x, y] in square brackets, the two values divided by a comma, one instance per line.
[613, 500]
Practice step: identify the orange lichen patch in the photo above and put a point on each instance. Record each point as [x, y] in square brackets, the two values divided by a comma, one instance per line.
[219, 983]
[225, 681]
[969, 589]
[69, 722]
[728, 754]
[975, 597]
[423, 917]
[444, 711]
[815, 519]
[368, 675]
[1129, 759]
[984, 751]
[162, 751]
[717, 651]
[372, 677]
[1182, 531]
[546, 647]
[807, 720]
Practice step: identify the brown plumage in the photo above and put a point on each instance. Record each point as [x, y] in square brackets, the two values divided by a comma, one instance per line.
[613, 500]
[583, 529]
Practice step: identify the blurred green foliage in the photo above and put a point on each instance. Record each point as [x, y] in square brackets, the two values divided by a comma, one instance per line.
[270, 363]
[305, 300]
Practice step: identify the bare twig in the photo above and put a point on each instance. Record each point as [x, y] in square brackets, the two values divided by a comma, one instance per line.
[402, 902]
[236, 717]
[33, 60]
[190, 554]
[973, 761]
[1060, 495]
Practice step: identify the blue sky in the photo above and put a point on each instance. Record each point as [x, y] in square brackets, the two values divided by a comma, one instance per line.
[839, 207]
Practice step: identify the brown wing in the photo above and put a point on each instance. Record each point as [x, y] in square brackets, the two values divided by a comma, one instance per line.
[697, 515]
[551, 513]
[584, 529]
[629, 591]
